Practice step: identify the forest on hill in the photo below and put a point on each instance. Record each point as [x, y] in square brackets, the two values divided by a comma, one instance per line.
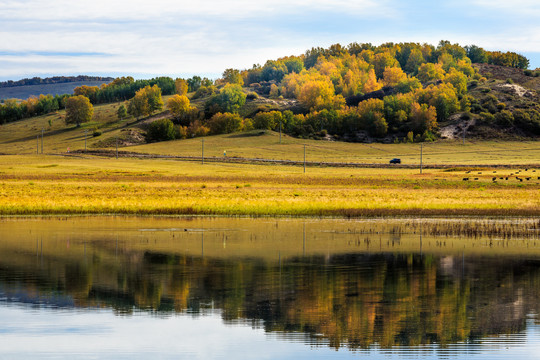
[391, 93]
[53, 80]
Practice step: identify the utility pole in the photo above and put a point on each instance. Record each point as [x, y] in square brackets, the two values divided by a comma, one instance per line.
[42, 131]
[37, 144]
[117, 147]
[280, 131]
[304, 158]
[421, 151]
[85, 132]
[202, 151]
[463, 135]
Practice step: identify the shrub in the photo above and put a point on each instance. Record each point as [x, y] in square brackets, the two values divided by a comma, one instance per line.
[161, 130]
[225, 123]
[487, 118]
[528, 72]
[509, 81]
[504, 118]
[252, 95]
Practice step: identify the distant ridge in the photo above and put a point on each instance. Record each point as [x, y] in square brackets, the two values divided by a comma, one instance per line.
[53, 80]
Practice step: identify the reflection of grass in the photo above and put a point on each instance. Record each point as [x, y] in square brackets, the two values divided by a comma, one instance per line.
[128, 186]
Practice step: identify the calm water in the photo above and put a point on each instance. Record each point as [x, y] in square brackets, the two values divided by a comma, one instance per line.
[124, 287]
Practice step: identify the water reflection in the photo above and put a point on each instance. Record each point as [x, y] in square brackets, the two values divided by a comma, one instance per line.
[360, 285]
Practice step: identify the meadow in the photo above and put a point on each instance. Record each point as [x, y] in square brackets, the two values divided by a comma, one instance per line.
[44, 185]
[502, 177]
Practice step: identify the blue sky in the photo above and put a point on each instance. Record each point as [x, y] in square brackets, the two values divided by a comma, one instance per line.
[145, 38]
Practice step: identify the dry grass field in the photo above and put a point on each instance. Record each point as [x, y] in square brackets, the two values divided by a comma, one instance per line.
[31, 185]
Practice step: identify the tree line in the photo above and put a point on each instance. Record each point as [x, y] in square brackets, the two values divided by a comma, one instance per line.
[52, 80]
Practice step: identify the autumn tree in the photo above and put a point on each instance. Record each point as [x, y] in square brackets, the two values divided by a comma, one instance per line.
[371, 113]
[267, 120]
[78, 110]
[429, 72]
[393, 76]
[382, 61]
[138, 105]
[371, 84]
[85, 90]
[423, 118]
[233, 76]
[224, 123]
[458, 80]
[317, 94]
[146, 101]
[153, 95]
[414, 61]
[181, 86]
[179, 105]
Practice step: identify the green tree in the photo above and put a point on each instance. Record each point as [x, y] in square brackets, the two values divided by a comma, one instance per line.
[121, 112]
[230, 98]
[160, 130]
[78, 110]
[476, 54]
[273, 70]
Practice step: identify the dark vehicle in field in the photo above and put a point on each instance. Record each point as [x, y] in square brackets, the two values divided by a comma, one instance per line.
[395, 161]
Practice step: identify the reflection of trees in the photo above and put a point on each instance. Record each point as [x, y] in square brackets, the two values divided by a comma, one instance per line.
[353, 300]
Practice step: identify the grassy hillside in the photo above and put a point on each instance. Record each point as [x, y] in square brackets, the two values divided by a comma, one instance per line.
[20, 138]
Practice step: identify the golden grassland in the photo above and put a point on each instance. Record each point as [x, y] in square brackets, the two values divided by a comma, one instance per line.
[40, 185]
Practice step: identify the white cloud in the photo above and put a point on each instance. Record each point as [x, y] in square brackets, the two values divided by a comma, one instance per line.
[130, 10]
[177, 36]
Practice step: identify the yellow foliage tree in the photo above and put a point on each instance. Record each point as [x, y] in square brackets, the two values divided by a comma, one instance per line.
[429, 72]
[179, 105]
[317, 94]
[78, 110]
[393, 76]
[371, 84]
[181, 86]
[423, 117]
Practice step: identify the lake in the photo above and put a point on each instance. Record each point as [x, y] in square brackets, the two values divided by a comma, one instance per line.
[265, 288]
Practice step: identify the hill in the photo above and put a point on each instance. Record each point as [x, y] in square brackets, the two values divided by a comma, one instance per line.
[25, 91]
[392, 93]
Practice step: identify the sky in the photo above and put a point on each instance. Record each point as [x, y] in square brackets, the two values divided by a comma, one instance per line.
[181, 38]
